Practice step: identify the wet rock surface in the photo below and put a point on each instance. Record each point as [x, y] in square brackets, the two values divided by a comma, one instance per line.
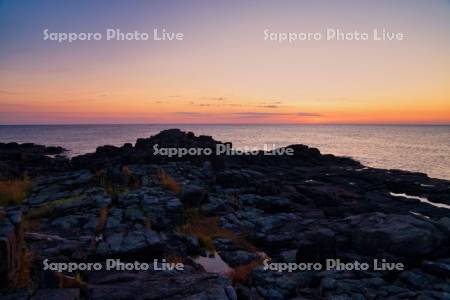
[127, 203]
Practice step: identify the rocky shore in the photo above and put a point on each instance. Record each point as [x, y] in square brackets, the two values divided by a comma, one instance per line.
[223, 218]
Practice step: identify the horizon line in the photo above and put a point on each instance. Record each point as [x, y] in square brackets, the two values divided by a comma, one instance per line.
[230, 124]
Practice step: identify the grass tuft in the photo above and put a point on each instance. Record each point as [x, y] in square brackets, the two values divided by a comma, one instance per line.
[175, 259]
[23, 275]
[102, 218]
[13, 192]
[168, 182]
[241, 274]
[207, 228]
[133, 182]
[126, 170]
[67, 282]
[117, 188]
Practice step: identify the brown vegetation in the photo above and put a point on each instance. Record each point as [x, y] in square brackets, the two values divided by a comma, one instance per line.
[133, 182]
[167, 181]
[241, 274]
[66, 281]
[207, 228]
[102, 218]
[126, 170]
[13, 192]
[175, 259]
[114, 189]
[23, 275]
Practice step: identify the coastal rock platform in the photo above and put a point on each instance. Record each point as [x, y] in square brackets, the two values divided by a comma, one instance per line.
[224, 218]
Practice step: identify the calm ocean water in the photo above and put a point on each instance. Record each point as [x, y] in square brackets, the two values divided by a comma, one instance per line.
[414, 148]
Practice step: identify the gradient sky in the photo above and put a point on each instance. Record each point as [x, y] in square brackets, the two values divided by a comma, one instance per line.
[223, 71]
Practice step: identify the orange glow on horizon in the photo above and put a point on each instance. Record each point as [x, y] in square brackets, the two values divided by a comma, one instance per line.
[224, 72]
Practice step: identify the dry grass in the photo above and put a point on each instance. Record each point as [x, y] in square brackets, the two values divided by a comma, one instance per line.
[100, 174]
[175, 259]
[208, 228]
[23, 275]
[102, 218]
[168, 182]
[101, 223]
[29, 225]
[67, 282]
[13, 192]
[126, 170]
[241, 274]
[115, 189]
[234, 201]
[134, 182]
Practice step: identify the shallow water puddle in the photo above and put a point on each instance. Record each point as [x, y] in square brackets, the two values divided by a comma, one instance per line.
[419, 214]
[421, 199]
[426, 185]
[213, 263]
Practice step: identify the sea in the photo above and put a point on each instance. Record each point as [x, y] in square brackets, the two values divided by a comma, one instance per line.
[421, 148]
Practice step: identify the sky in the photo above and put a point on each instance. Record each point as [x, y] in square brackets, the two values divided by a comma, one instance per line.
[224, 71]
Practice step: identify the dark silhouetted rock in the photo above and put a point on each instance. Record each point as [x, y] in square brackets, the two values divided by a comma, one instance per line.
[308, 207]
[11, 240]
[402, 235]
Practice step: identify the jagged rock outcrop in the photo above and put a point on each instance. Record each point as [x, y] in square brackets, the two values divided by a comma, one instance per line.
[125, 202]
[17, 160]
